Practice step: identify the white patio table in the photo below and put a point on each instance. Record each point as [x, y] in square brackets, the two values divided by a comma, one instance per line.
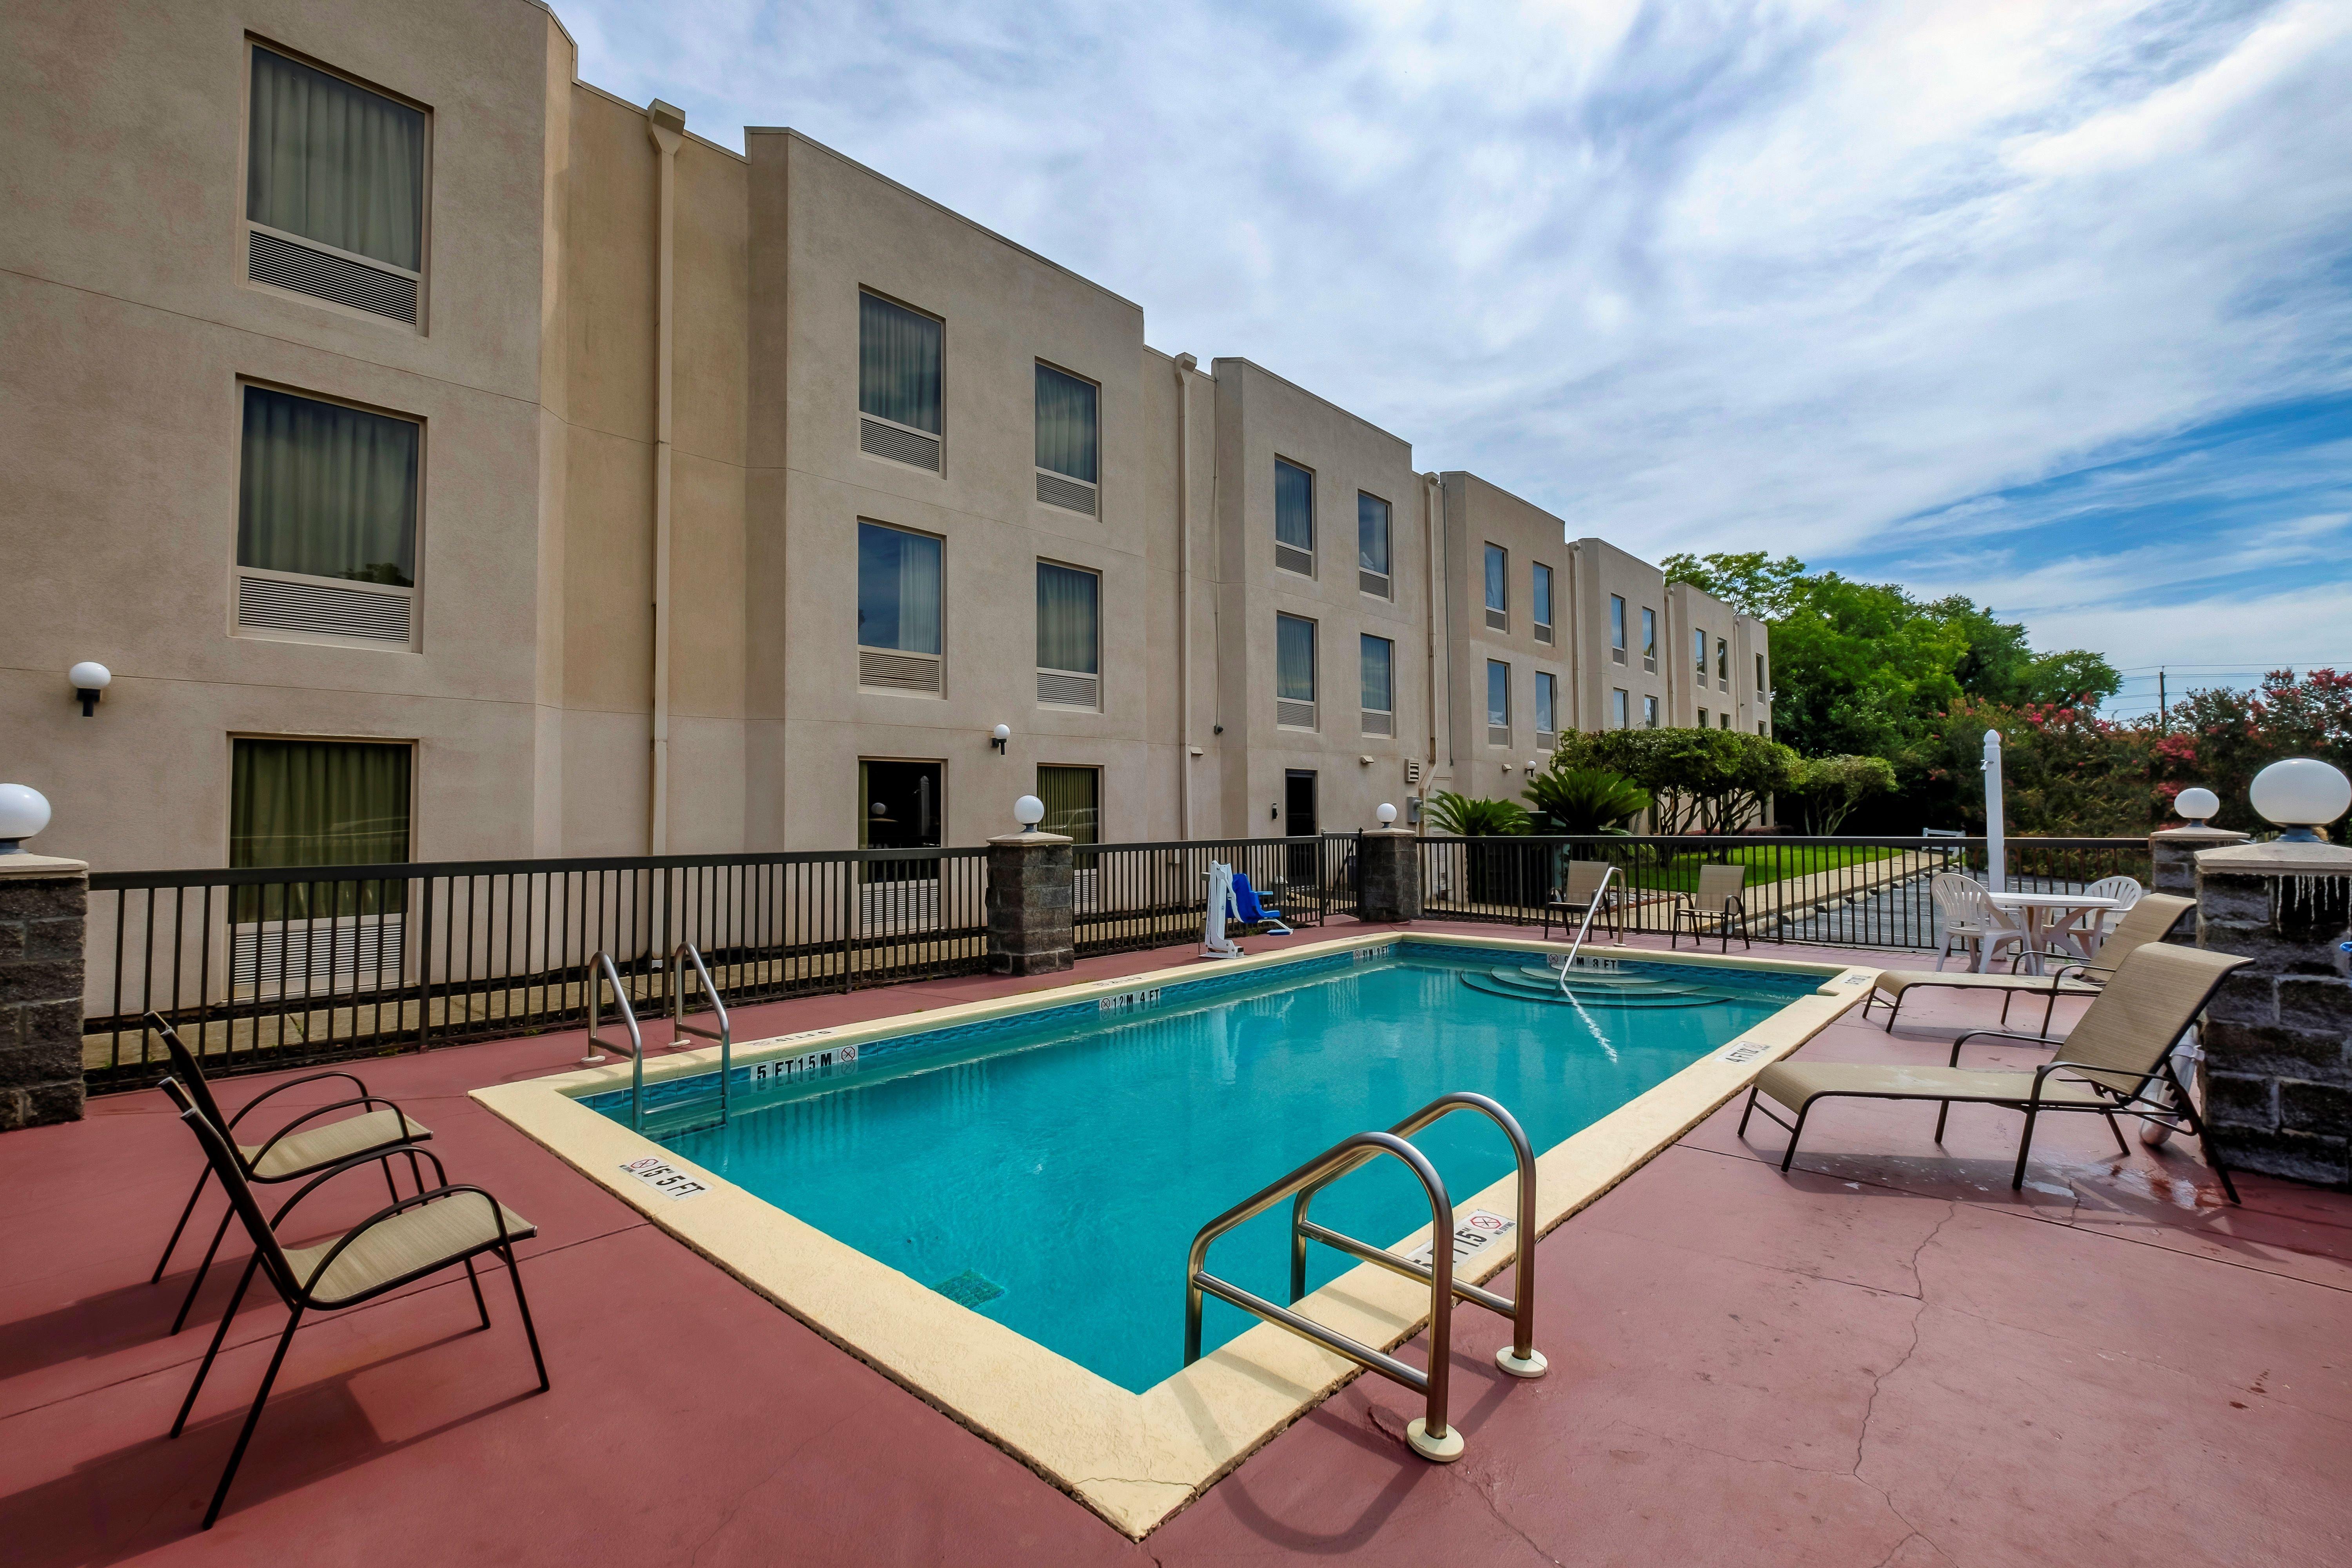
[2048, 919]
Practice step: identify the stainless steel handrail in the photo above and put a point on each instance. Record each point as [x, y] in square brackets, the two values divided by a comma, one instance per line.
[1568, 963]
[1432, 1440]
[602, 969]
[684, 955]
[1522, 1358]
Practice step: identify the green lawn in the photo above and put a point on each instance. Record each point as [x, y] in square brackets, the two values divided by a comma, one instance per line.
[1765, 862]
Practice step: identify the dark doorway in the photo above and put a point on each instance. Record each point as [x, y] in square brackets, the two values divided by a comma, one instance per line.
[903, 807]
[1299, 822]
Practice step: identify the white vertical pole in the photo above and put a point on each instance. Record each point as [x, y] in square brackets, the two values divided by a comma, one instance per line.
[1996, 845]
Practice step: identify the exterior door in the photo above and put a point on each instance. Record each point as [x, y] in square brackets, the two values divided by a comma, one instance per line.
[903, 810]
[1299, 822]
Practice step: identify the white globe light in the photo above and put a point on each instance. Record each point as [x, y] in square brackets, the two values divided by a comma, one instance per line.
[24, 811]
[1028, 811]
[89, 676]
[2196, 805]
[1003, 732]
[1387, 814]
[2301, 794]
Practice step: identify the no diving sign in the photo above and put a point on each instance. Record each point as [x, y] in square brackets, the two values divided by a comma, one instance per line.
[664, 1178]
[1472, 1234]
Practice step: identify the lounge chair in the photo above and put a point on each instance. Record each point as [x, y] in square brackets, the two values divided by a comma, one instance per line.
[2151, 919]
[2116, 1059]
[1569, 905]
[416, 1236]
[1718, 907]
[295, 1150]
[1970, 918]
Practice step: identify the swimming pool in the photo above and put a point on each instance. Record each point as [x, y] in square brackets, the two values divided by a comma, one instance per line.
[991, 1203]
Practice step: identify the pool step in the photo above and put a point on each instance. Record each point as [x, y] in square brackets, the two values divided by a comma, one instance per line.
[1536, 982]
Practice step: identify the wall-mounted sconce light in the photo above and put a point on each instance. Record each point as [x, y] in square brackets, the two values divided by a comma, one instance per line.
[997, 738]
[1534, 767]
[1274, 813]
[90, 679]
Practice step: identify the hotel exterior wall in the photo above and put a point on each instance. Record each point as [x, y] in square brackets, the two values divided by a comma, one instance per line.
[1478, 514]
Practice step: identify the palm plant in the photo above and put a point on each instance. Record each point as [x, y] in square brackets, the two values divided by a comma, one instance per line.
[1587, 800]
[1468, 818]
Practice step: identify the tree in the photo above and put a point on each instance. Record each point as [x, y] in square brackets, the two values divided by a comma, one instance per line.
[1829, 788]
[2222, 738]
[1467, 818]
[1702, 781]
[1586, 800]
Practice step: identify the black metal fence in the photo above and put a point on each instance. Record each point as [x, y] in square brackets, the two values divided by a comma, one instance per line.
[278, 967]
[1130, 896]
[1845, 892]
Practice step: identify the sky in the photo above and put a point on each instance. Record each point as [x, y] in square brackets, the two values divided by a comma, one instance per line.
[2049, 304]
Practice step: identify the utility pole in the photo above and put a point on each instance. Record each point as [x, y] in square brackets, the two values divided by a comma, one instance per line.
[2163, 709]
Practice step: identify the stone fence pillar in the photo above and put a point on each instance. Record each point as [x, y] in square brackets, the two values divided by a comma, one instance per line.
[2174, 855]
[43, 903]
[2278, 1037]
[1030, 903]
[1388, 876]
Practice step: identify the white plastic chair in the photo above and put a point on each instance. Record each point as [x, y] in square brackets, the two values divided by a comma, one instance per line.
[1970, 918]
[2096, 923]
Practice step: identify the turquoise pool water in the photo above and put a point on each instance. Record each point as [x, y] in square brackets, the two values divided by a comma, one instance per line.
[1050, 1170]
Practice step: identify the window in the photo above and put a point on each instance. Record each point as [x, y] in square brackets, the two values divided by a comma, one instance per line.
[1539, 603]
[1762, 727]
[1379, 659]
[1723, 720]
[1372, 546]
[1294, 518]
[1294, 672]
[315, 802]
[1546, 704]
[1498, 587]
[1702, 718]
[1722, 665]
[1065, 441]
[1498, 703]
[1649, 712]
[1650, 641]
[1763, 688]
[1073, 798]
[898, 383]
[326, 495]
[1617, 631]
[330, 164]
[1698, 652]
[898, 610]
[1069, 638]
[1617, 709]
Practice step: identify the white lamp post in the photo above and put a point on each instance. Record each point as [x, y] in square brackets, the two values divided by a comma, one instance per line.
[1028, 811]
[1996, 844]
[1387, 814]
[24, 811]
[2196, 806]
[2300, 794]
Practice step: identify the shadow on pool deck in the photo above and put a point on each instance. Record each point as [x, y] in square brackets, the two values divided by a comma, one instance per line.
[1887, 1357]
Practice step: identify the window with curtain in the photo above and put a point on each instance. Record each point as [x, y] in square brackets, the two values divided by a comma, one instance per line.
[1294, 505]
[1649, 634]
[1498, 693]
[335, 163]
[1539, 606]
[1698, 652]
[898, 363]
[317, 802]
[1380, 675]
[326, 490]
[1293, 658]
[1617, 709]
[1649, 712]
[1065, 424]
[1498, 577]
[1617, 623]
[1372, 535]
[1760, 687]
[898, 589]
[1073, 798]
[1067, 624]
[1547, 701]
[1722, 659]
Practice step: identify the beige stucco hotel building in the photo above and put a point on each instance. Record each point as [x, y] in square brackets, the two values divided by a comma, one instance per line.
[439, 450]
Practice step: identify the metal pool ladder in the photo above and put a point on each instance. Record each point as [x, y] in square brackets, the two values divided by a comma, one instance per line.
[1428, 1433]
[601, 971]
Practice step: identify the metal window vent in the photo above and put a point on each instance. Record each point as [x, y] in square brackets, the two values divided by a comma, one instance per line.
[1064, 690]
[899, 445]
[1723, 686]
[323, 275]
[1498, 734]
[1500, 620]
[1647, 663]
[1379, 724]
[1290, 558]
[1071, 495]
[1295, 715]
[1546, 740]
[1543, 633]
[288, 605]
[298, 955]
[900, 671]
[1617, 656]
[1373, 582]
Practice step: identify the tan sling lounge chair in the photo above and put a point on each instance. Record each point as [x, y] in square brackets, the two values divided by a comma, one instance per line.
[1568, 907]
[295, 1150]
[1719, 906]
[416, 1235]
[2149, 920]
[2117, 1058]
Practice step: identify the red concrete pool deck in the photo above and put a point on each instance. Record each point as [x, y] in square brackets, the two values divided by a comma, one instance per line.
[1886, 1358]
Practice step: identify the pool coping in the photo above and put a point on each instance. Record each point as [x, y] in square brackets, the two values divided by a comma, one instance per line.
[1133, 1458]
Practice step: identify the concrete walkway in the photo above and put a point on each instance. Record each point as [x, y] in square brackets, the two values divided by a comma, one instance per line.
[1887, 1357]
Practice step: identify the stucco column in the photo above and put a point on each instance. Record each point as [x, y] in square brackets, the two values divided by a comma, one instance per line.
[1030, 878]
[43, 902]
[1388, 876]
[2278, 1037]
[2174, 855]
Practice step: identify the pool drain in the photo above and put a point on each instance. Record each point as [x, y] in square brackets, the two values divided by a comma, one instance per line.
[970, 1288]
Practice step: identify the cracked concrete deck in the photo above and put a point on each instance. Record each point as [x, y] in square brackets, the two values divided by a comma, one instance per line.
[1886, 1358]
